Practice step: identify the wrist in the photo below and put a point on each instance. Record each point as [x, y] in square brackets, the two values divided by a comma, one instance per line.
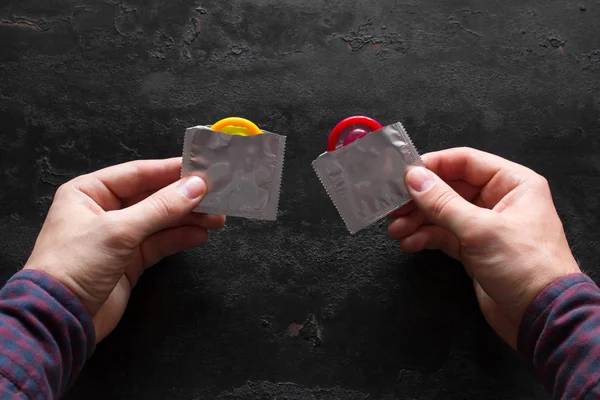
[546, 277]
[65, 279]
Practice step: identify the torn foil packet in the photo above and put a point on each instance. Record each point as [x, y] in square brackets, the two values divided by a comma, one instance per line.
[242, 173]
[365, 179]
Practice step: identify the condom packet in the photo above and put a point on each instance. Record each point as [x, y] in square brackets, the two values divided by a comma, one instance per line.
[365, 179]
[242, 173]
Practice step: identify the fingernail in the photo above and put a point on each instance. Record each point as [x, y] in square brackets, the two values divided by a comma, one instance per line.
[419, 179]
[193, 187]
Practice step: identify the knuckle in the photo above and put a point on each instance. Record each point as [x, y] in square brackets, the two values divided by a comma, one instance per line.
[76, 184]
[542, 182]
[63, 190]
[468, 152]
[472, 237]
[465, 149]
[539, 184]
[137, 167]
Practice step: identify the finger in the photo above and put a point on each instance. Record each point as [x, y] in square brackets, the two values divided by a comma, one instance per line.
[406, 225]
[473, 166]
[404, 210]
[495, 317]
[109, 315]
[495, 176]
[433, 238]
[463, 188]
[164, 209]
[109, 186]
[128, 179]
[439, 202]
[171, 241]
[208, 221]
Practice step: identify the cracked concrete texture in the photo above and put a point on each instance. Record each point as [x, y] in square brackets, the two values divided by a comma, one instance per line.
[289, 391]
[87, 84]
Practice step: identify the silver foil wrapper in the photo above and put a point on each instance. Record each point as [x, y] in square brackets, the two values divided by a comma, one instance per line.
[365, 179]
[242, 173]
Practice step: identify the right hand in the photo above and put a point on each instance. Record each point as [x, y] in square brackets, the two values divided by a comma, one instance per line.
[498, 219]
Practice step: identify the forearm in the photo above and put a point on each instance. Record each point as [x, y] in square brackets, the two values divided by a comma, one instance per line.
[45, 337]
[560, 337]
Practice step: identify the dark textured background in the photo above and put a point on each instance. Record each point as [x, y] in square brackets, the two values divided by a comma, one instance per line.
[298, 308]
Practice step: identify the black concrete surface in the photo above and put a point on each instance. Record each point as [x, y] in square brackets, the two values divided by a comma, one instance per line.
[298, 309]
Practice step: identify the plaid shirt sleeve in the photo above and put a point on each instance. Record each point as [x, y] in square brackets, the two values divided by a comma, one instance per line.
[559, 338]
[46, 336]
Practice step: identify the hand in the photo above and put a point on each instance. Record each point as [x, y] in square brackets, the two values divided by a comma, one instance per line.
[498, 219]
[105, 228]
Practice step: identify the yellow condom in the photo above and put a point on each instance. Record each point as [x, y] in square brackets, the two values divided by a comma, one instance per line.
[237, 126]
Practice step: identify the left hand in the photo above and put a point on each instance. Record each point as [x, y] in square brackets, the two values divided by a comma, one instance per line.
[105, 228]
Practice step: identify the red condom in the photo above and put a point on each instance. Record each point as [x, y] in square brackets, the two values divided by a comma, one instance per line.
[356, 127]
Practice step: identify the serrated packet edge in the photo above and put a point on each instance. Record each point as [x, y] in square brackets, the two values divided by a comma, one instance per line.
[187, 149]
[413, 149]
[333, 194]
[281, 143]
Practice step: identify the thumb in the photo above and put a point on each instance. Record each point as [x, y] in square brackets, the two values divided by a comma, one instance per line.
[438, 201]
[165, 208]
